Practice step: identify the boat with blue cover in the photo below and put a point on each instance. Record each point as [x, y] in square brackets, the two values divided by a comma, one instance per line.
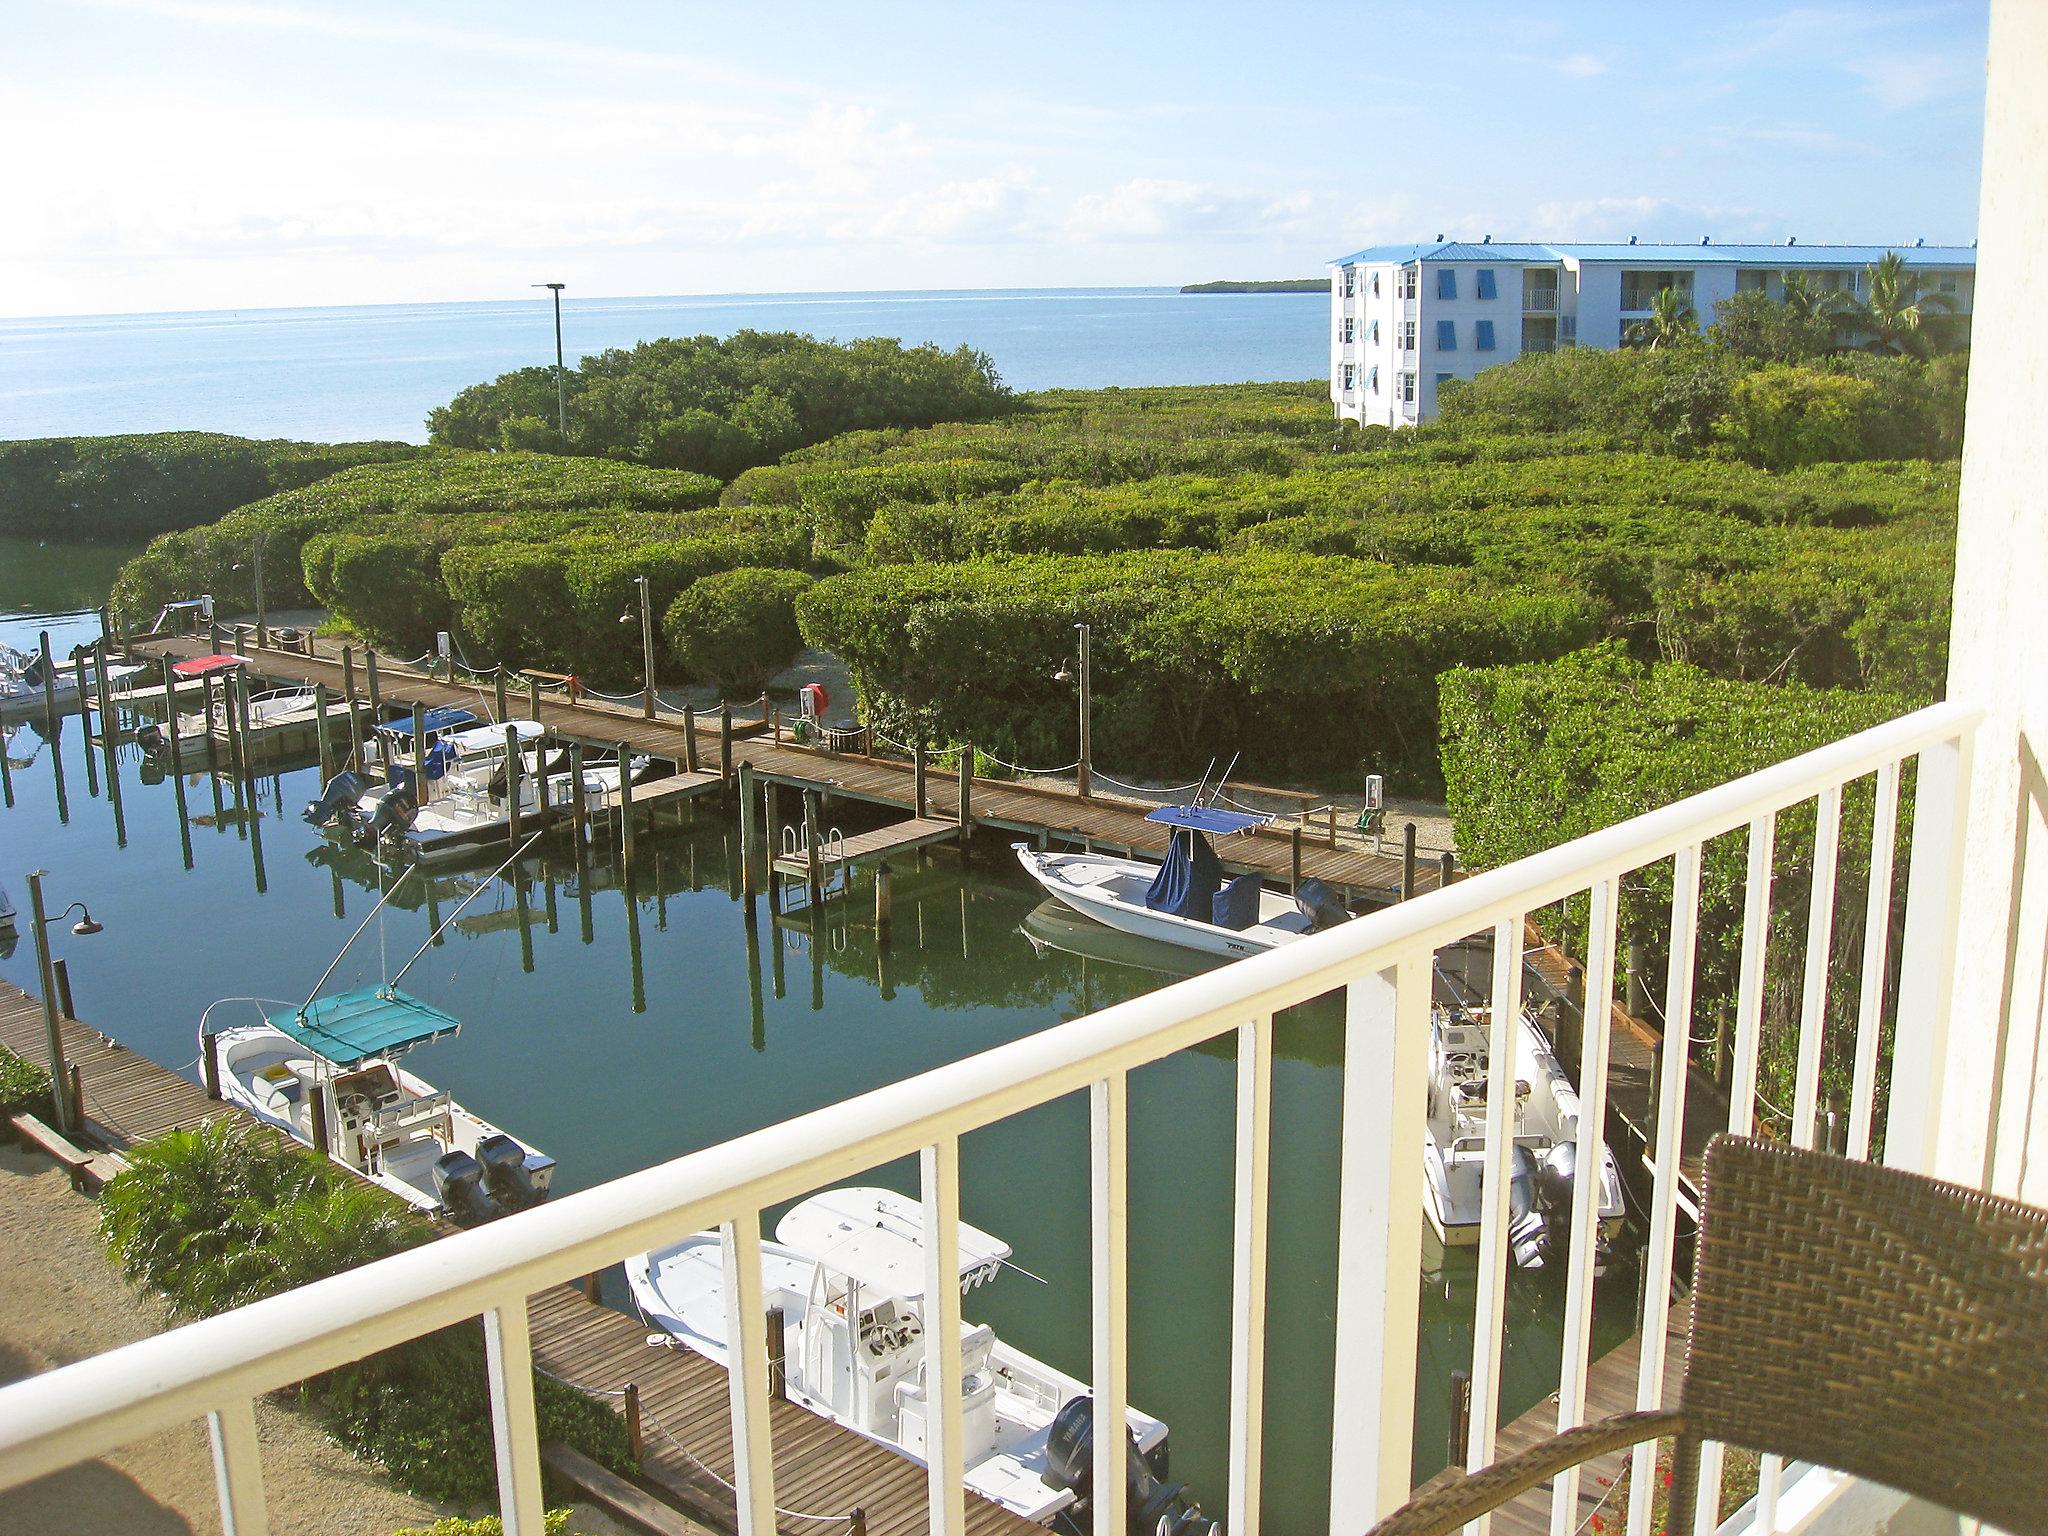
[1186, 900]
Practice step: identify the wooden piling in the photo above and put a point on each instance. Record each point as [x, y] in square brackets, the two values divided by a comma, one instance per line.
[323, 1145]
[419, 753]
[747, 851]
[106, 693]
[1637, 994]
[49, 671]
[513, 788]
[592, 1286]
[209, 1063]
[348, 674]
[322, 742]
[725, 742]
[626, 802]
[533, 695]
[636, 1444]
[206, 721]
[812, 861]
[1408, 862]
[576, 805]
[917, 786]
[75, 1088]
[84, 693]
[503, 711]
[1446, 869]
[689, 738]
[966, 791]
[1294, 858]
[370, 685]
[62, 973]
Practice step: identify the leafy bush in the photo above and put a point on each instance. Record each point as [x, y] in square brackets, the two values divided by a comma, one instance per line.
[24, 1087]
[554, 1522]
[1782, 416]
[1537, 754]
[737, 629]
[120, 487]
[720, 406]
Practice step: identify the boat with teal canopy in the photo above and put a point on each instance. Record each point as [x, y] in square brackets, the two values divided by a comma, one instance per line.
[350, 1027]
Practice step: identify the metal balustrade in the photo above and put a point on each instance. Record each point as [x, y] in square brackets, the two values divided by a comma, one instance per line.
[1539, 301]
[1382, 963]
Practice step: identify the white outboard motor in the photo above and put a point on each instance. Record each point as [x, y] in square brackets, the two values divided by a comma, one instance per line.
[1528, 1224]
[341, 794]
[505, 1175]
[459, 1182]
[1153, 1506]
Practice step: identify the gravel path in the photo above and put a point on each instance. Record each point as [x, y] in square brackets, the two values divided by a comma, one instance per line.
[63, 1302]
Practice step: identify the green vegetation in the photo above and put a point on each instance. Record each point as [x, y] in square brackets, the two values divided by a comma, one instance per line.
[24, 1087]
[217, 1217]
[1538, 754]
[721, 405]
[146, 483]
[1262, 285]
[554, 1522]
[735, 630]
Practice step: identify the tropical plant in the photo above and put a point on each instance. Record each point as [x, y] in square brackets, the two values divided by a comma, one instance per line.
[1897, 318]
[554, 1522]
[23, 1086]
[1672, 323]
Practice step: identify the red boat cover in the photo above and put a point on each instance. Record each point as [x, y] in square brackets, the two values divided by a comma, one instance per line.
[199, 666]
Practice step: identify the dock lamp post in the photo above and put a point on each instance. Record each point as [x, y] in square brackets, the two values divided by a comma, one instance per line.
[646, 645]
[561, 387]
[1063, 675]
[256, 560]
[53, 1035]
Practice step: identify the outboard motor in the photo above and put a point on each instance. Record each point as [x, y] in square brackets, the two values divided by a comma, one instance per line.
[459, 1182]
[341, 794]
[1555, 1178]
[393, 813]
[1323, 907]
[504, 1164]
[150, 737]
[1528, 1226]
[1152, 1506]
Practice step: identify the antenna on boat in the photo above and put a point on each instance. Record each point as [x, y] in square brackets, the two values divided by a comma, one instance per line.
[1202, 788]
[1217, 793]
[482, 886]
[381, 900]
[1012, 1264]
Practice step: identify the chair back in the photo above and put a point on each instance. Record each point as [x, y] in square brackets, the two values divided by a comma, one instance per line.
[1877, 1322]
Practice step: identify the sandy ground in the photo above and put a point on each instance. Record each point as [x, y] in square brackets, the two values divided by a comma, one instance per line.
[60, 1300]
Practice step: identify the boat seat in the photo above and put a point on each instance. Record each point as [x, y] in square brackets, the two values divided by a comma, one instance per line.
[1236, 906]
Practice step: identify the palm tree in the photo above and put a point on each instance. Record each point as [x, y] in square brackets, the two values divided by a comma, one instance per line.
[1897, 318]
[1673, 322]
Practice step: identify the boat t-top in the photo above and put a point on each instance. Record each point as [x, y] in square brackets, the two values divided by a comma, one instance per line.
[327, 1073]
[1186, 900]
[847, 1274]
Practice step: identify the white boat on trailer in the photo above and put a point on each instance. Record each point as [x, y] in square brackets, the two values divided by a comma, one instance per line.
[1186, 900]
[327, 1073]
[847, 1276]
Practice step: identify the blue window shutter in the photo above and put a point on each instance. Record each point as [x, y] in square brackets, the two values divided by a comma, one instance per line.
[1446, 336]
[1486, 290]
[1372, 378]
[1447, 282]
[1482, 336]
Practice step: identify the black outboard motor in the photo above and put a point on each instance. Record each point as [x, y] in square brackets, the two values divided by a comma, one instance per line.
[459, 1181]
[1323, 907]
[1151, 1504]
[1528, 1225]
[341, 794]
[150, 737]
[393, 813]
[504, 1163]
[1555, 1178]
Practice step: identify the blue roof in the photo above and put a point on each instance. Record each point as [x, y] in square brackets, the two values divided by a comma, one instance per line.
[435, 721]
[1205, 818]
[1675, 253]
[350, 1027]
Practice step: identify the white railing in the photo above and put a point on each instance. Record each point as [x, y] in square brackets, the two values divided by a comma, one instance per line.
[1539, 301]
[1383, 965]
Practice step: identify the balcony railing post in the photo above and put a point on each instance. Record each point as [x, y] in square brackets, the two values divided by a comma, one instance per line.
[1489, 1322]
[1927, 956]
[753, 1447]
[1379, 1240]
[945, 1434]
[508, 1359]
[238, 1470]
[1108, 1145]
[1248, 1274]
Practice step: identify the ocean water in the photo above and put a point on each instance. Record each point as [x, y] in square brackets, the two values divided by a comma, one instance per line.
[332, 375]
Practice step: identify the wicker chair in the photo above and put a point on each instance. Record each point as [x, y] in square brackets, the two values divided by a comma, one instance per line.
[1846, 1314]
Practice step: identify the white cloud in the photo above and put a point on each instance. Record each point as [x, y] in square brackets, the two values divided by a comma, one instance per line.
[1651, 218]
[1583, 66]
[1159, 208]
[1912, 80]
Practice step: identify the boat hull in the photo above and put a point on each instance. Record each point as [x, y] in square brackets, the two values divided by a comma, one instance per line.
[1109, 890]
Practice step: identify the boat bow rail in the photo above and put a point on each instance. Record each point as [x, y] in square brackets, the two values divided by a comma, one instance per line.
[1381, 962]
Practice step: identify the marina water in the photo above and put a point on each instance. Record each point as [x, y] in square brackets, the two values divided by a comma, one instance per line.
[330, 375]
[615, 1026]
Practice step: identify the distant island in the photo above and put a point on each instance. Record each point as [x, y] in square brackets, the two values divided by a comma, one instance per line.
[1273, 285]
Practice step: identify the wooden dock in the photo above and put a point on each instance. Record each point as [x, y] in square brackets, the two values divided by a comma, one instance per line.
[821, 1468]
[835, 854]
[1032, 811]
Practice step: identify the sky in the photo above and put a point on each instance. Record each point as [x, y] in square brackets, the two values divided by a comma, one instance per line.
[210, 154]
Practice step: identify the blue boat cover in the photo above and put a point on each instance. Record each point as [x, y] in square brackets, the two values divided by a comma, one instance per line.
[1189, 879]
[1237, 904]
[350, 1027]
[1207, 818]
[435, 721]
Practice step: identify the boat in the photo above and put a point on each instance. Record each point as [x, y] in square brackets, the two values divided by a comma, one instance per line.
[326, 1072]
[1543, 1165]
[21, 682]
[1186, 900]
[846, 1274]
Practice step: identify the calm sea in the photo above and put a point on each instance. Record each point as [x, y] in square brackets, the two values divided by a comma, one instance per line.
[331, 375]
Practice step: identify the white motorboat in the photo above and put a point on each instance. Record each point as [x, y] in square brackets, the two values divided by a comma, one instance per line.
[1542, 1168]
[328, 1075]
[21, 682]
[1185, 900]
[847, 1275]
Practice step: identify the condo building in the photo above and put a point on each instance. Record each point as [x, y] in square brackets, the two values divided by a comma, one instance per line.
[1405, 319]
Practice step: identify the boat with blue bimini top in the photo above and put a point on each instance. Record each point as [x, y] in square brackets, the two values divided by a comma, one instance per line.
[1186, 900]
[326, 1072]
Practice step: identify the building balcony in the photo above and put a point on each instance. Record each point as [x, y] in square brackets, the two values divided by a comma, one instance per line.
[1539, 301]
[1381, 964]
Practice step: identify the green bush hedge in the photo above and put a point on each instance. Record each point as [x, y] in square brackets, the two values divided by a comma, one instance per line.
[24, 1086]
[735, 630]
[151, 482]
[1308, 665]
[1536, 754]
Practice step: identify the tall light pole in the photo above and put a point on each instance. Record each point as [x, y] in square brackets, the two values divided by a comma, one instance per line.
[53, 1036]
[646, 645]
[561, 386]
[1087, 763]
